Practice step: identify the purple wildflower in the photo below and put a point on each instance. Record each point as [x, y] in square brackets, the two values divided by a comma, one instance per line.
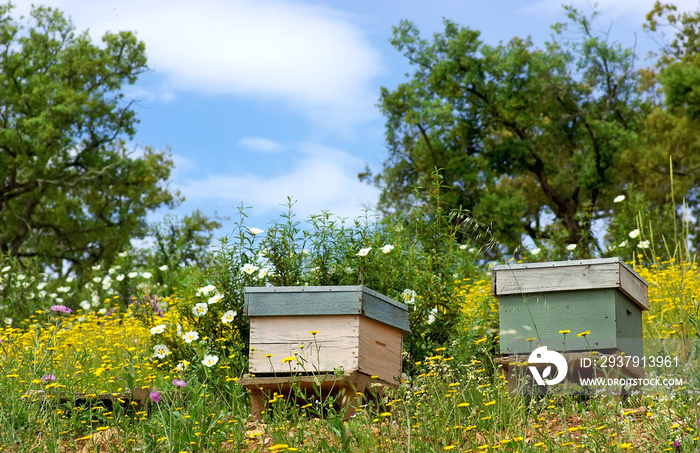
[179, 383]
[157, 310]
[155, 396]
[48, 378]
[60, 309]
[677, 445]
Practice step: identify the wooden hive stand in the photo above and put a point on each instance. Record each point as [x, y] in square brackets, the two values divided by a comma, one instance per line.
[348, 391]
[139, 399]
[519, 379]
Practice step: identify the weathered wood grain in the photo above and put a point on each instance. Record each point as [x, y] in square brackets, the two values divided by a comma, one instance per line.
[356, 330]
[325, 300]
[349, 389]
[537, 278]
[380, 350]
[635, 287]
[335, 345]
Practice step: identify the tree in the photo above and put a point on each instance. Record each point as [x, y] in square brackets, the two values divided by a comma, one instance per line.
[529, 140]
[70, 190]
[178, 243]
[672, 130]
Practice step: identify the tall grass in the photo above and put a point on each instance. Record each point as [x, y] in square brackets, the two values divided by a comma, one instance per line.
[71, 381]
[52, 372]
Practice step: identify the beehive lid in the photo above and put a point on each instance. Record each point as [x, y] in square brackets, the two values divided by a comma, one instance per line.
[536, 278]
[325, 300]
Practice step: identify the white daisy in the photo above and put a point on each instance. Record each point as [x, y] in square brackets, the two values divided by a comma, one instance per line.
[158, 329]
[191, 336]
[228, 316]
[200, 309]
[205, 290]
[249, 268]
[210, 360]
[364, 252]
[215, 298]
[160, 351]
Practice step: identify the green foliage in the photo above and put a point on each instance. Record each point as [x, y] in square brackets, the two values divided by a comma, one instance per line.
[636, 219]
[671, 134]
[18, 289]
[522, 133]
[177, 245]
[413, 257]
[538, 142]
[26, 287]
[71, 192]
[686, 29]
[205, 316]
[453, 397]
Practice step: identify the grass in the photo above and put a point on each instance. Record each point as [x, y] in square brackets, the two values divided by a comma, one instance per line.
[453, 400]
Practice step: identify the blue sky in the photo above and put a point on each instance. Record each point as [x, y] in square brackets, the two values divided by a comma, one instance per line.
[265, 99]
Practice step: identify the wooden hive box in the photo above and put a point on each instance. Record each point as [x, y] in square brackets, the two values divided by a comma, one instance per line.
[358, 330]
[537, 300]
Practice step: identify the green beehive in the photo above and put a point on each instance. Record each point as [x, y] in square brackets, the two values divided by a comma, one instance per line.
[539, 300]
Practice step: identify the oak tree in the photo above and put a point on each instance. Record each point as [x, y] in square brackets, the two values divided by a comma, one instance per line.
[529, 140]
[72, 190]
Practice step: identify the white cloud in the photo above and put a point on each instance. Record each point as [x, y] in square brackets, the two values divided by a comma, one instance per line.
[182, 166]
[260, 144]
[318, 178]
[163, 93]
[306, 55]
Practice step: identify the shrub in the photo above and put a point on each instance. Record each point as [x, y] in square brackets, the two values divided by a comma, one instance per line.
[414, 258]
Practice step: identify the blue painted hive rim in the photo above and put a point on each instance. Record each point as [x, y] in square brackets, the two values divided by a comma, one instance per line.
[325, 300]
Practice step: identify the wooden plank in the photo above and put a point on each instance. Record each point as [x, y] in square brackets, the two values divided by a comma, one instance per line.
[140, 397]
[548, 264]
[305, 289]
[535, 278]
[527, 279]
[380, 350]
[331, 357]
[393, 315]
[334, 346]
[517, 375]
[325, 300]
[301, 389]
[248, 380]
[634, 287]
[380, 296]
[275, 301]
[344, 388]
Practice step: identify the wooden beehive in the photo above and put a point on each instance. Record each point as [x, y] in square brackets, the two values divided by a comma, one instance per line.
[355, 329]
[538, 300]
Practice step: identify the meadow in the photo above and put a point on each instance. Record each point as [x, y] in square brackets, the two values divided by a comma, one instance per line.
[71, 369]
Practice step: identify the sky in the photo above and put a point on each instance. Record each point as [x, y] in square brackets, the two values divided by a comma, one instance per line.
[261, 100]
